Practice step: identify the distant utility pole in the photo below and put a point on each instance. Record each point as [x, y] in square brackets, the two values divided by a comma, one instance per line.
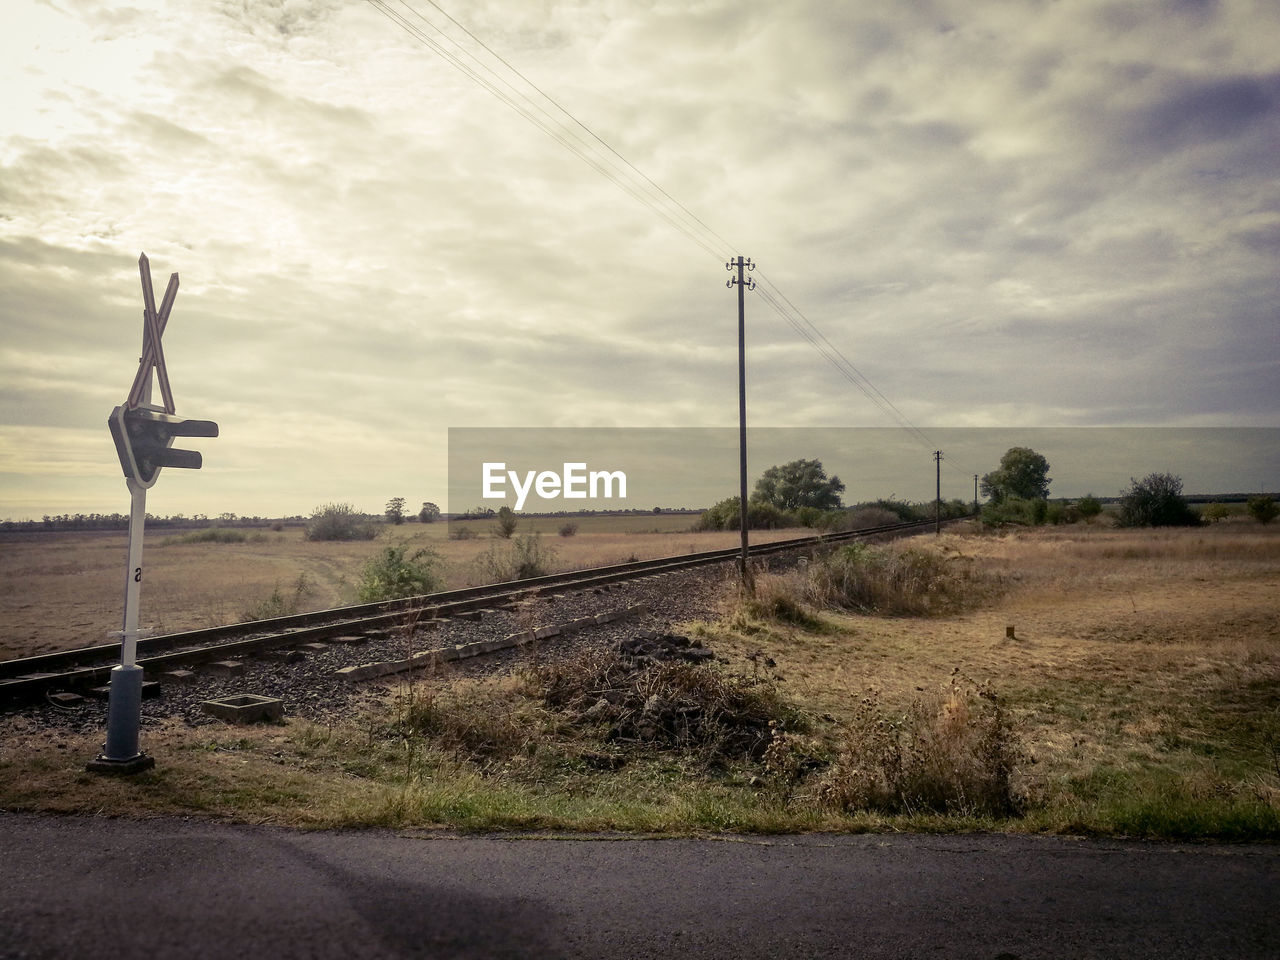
[743, 284]
[975, 494]
[937, 503]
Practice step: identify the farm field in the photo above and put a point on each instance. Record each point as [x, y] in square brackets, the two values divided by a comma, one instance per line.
[1139, 695]
[65, 590]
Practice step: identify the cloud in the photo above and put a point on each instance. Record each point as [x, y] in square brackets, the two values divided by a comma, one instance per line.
[1001, 213]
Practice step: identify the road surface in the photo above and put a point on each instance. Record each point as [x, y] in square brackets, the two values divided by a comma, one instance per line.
[98, 888]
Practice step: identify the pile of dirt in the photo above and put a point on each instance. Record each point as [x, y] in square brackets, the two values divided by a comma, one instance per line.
[665, 692]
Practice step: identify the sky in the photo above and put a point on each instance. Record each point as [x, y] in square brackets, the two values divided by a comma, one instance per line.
[1004, 215]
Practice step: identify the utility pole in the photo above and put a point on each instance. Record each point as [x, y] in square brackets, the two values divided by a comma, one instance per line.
[743, 284]
[975, 495]
[937, 503]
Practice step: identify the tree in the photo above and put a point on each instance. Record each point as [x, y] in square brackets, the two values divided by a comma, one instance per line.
[506, 522]
[429, 513]
[1263, 508]
[339, 521]
[1022, 473]
[800, 483]
[1089, 507]
[1156, 501]
[395, 510]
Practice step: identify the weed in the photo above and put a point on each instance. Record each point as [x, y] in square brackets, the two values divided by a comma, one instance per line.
[280, 605]
[954, 754]
[209, 535]
[522, 558]
[339, 521]
[391, 575]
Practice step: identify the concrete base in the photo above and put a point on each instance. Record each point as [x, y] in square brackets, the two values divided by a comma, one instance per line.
[102, 764]
[245, 708]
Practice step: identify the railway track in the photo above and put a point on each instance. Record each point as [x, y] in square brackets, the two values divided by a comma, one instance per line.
[91, 666]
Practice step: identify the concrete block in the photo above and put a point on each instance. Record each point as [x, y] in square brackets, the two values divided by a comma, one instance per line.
[225, 668]
[283, 656]
[523, 637]
[349, 639]
[245, 708]
[66, 698]
[178, 676]
[544, 633]
[313, 647]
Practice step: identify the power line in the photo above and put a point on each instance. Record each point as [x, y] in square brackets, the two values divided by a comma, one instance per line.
[532, 102]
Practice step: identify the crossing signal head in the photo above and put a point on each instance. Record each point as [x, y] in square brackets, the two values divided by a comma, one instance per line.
[144, 441]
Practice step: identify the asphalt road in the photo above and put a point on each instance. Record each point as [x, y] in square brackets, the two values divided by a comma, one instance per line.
[90, 888]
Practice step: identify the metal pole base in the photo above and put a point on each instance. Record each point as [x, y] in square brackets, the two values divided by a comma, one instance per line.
[102, 764]
[120, 753]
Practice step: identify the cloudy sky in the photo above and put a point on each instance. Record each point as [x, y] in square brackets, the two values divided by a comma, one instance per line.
[1013, 214]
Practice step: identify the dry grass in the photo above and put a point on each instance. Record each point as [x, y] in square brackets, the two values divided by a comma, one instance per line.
[1143, 684]
[63, 590]
[1137, 652]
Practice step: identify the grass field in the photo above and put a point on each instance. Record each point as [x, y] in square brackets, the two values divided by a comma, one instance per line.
[1139, 696]
[65, 590]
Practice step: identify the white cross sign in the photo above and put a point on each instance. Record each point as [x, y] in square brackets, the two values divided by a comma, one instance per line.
[154, 323]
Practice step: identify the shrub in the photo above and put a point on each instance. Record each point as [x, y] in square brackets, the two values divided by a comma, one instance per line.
[339, 521]
[951, 753]
[1263, 508]
[1156, 501]
[211, 535]
[866, 517]
[460, 531]
[1214, 512]
[1089, 507]
[390, 575]
[522, 558]
[507, 523]
[888, 581]
[568, 529]
[280, 605]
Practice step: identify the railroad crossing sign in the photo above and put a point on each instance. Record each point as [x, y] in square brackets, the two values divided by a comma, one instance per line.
[144, 432]
[152, 329]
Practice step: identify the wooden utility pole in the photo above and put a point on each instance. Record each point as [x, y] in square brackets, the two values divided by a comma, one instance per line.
[975, 495]
[937, 503]
[743, 284]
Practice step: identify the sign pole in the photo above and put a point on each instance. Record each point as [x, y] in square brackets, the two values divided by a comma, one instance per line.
[120, 753]
[143, 435]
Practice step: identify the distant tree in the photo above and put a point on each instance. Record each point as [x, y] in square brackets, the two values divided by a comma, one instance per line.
[1215, 512]
[1022, 473]
[395, 510]
[1089, 507]
[1263, 508]
[339, 521]
[507, 522]
[1156, 501]
[800, 483]
[429, 513]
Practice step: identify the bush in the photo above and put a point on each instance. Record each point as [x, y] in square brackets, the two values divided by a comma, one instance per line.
[280, 605]
[1263, 508]
[568, 529]
[211, 535]
[522, 558]
[1214, 512]
[1089, 507]
[339, 521]
[1015, 511]
[391, 575]
[888, 581]
[460, 531]
[1156, 501]
[953, 753]
[507, 523]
